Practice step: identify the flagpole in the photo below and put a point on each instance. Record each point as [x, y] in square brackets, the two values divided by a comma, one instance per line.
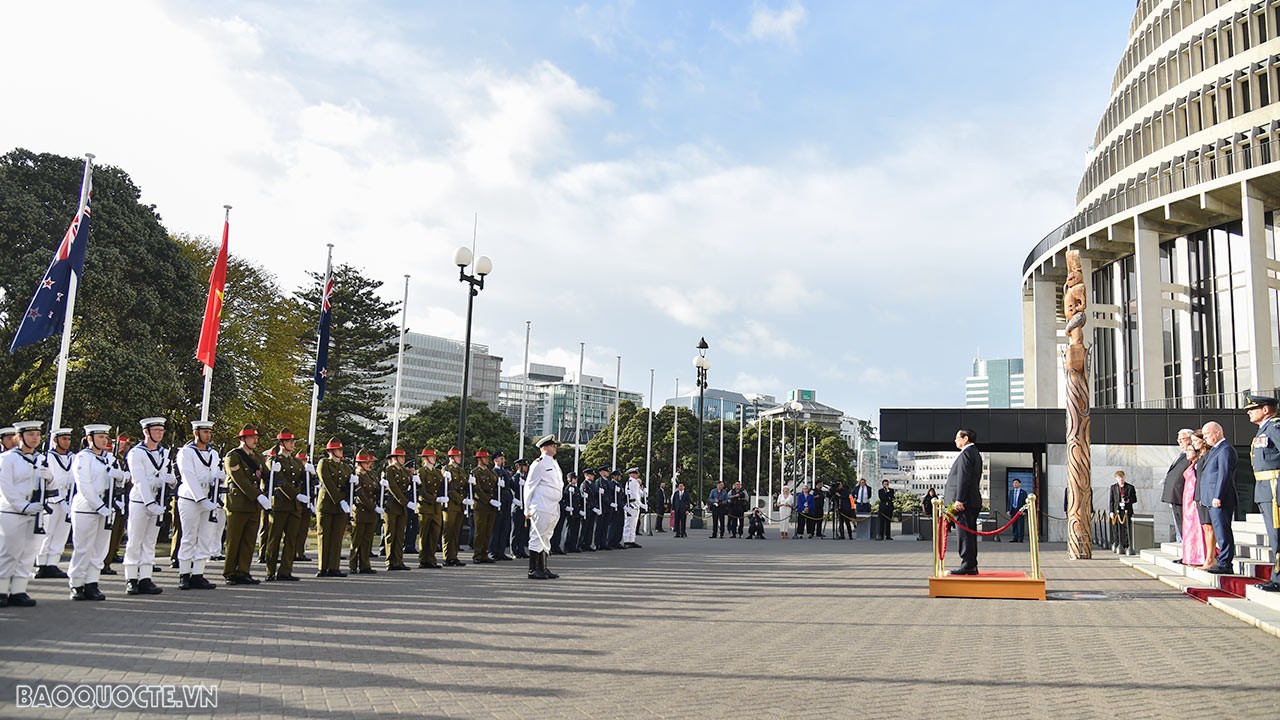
[64, 351]
[648, 443]
[404, 314]
[208, 369]
[315, 387]
[675, 439]
[617, 407]
[721, 439]
[524, 389]
[577, 423]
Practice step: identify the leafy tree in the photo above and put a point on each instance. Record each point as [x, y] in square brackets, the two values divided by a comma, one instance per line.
[436, 426]
[362, 351]
[261, 345]
[137, 314]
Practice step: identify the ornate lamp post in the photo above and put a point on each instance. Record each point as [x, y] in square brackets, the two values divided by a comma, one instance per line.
[702, 365]
[475, 281]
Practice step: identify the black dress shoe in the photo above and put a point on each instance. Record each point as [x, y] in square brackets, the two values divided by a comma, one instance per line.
[302, 558]
[147, 587]
[173, 564]
[323, 573]
[557, 552]
[1219, 570]
[337, 573]
[21, 600]
[483, 561]
[963, 572]
[234, 580]
[249, 580]
[288, 578]
[271, 577]
[1271, 586]
[108, 571]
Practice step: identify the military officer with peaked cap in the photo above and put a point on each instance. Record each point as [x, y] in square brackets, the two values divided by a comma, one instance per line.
[98, 479]
[397, 482]
[23, 474]
[1265, 454]
[542, 492]
[200, 513]
[57, 526]
[590, 497]
[153, 478]
[519, 527]
[500, 537]
[287, 475]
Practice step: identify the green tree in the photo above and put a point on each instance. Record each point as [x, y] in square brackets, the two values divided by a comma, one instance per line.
[362, 351]
[137, 314]
[261, 345]
[436, 426]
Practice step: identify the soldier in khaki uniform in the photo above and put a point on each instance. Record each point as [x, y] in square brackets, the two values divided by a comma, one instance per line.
[429, 490]
[121, 521]
[484, 491]
[397, 502]
[288, 500]
[365, 493]
[333, 509]
[456, 506]
[244, 500]
[308, 512]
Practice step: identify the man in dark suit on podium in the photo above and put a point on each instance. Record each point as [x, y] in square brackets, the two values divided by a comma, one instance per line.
[964, 490]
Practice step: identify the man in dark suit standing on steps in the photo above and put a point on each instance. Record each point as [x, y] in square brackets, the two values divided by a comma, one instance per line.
[1219, 481]
[964, 489]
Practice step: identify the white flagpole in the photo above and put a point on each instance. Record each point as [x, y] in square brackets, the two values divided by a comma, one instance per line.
[315, 388]
[577, 423]
[741, 427]
[404, 315]
[617, 405]
[64, 351]
[648, 443]
[770, 456]
[675, 439]
[806, 455]
[524, 391]
[208, 369]
[721, 439]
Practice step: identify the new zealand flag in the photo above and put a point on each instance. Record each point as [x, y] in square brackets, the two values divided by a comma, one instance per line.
[322, 347]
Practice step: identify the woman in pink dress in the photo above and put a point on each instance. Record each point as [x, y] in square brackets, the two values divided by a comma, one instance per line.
[1193, 545]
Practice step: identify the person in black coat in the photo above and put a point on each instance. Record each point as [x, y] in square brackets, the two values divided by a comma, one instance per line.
[680, 510]
[885, 519]
[964, 489]
[560, 537]
[586, 533]
[659, 506]
[1171, 490]
[1123, 497]
[519, 524]
[842, 510]
[737, 509]
[819, 505]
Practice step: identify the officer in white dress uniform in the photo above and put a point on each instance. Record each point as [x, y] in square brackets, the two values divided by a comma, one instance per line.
[57, 520]
[198, 507]
[542, 492]
[153, 478]
[22, 473]
[635, 506]
[98, 479]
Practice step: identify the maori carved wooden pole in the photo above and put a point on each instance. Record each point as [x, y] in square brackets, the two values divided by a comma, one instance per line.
[1080, 489]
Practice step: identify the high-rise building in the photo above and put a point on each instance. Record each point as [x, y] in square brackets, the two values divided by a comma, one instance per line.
[550, 399]
[433, 371]
[807, 409]
[713, 399]
[994, 384]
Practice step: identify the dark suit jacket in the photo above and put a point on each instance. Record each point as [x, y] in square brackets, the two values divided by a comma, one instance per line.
[1017, 498]
[1219, 476]
[1174, 482]
[964, 482]
[680, 501]
[1123, 501]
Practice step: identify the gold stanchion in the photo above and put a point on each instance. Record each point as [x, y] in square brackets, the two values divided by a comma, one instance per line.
[938, 538]
[1033, 519]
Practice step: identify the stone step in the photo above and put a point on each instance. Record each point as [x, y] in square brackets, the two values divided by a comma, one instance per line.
[1255, 552]
[1261, 616]
[1262, 597]
[1253, 518]
[1249, 566]
[1173, 548]
[1251, 538]
[1248, 527]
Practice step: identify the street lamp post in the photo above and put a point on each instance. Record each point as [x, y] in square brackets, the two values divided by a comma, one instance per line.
[475, 282]
[702, 365]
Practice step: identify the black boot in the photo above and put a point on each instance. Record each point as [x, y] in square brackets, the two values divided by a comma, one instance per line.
[199, 583]
[184, 582]
[77, 593]
[535, 566]
[132, 588]
[546, 570]
[146, 587]
[20, 600]
[92, 592]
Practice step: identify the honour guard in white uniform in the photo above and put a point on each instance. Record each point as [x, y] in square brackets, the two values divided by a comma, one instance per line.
[198, 506]
[635, 505]
[8, 438]
[23, 491]
[97, 480]
[57, 521]
[542, 492]
[153, 479]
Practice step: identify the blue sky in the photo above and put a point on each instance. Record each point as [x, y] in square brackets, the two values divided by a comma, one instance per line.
[839, 196]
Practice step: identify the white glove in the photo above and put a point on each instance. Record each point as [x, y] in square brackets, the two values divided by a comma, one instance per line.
[417, 480]
[154, 509]
[583, 513]
[442, 500]
[311, 469]
[379, 510]
[353, 479]
[383, 482]
[119, 505]
[104, 511]
[613, 505]
[468, 502]
[495, 503]
[219, 476]
[517, 503]
[44, 473]
[644, 507]
[207, 504]
[265, 502]
[32, 509]
[598, 511]
[346, 507]
[302, 498]
[412, 506]
[65, 505]
[118, 475]
[275, 466]
[471, 480]
[502, 483]
[169, 479]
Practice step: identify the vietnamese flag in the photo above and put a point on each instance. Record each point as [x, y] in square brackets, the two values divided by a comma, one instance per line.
[208, 348]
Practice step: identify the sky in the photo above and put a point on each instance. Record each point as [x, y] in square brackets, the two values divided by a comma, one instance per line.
[838, 196]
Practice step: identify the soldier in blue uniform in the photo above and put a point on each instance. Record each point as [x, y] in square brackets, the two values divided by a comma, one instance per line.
[572, 513]
[620, 511]
[519, 525]
[1266, 470]
[501, 536]
[586, 533]
[608, 505]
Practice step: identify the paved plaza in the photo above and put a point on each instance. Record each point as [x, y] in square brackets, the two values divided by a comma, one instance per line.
[681, 628]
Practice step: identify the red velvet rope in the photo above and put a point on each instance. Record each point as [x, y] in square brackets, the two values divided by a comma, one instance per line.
[944, 519]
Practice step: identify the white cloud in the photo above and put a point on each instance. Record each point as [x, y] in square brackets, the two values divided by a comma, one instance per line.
[778, 25]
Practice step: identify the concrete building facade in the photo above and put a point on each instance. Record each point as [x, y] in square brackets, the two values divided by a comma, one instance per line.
[996, 383]
[433, 371]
